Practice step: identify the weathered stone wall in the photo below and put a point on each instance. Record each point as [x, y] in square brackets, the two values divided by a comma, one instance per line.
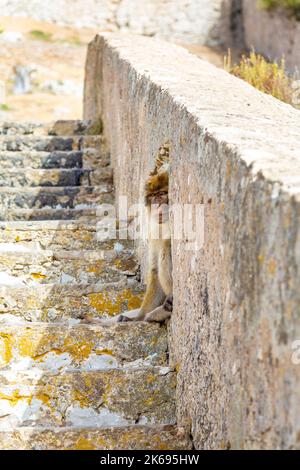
[192, 21]
[237, 300]
[274, 33]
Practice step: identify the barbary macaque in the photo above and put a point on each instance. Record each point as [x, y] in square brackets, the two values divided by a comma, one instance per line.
[158, 300]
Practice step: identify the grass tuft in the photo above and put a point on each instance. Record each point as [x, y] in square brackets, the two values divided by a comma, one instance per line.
[4, 107]
[40, 35]
[270, 78]
[293, 6]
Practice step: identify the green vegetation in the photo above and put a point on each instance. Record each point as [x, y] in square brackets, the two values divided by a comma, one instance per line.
[96, 128]
[267, 77]
[48, 37]
[293, 6]
[40, 35]
[75, 40]
[4, 107]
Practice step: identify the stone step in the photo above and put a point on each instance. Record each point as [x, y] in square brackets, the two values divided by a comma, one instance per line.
[66, 267]
[54, 177]
[58, 347]
[89, 158]
[49, 143]
[107, 398]
[62, 302]
[88, 215]
[80, 438]
[56, 235]
[55, 197]
[60, 127]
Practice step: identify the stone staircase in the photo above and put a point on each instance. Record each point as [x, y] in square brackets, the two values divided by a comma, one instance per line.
[68, 381]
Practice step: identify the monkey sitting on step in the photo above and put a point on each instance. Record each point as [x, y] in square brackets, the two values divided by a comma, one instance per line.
[158, 301]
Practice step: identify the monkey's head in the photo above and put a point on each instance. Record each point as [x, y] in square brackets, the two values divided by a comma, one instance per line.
[156, 195]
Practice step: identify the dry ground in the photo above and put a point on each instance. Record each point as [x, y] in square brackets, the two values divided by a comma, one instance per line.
[59, 56]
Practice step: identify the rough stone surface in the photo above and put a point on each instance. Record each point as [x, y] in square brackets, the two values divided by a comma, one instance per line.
[196, 21]
[66, 267]
[48, 143]
[56, 159]
[57, 128]
[85, 214]
[71, 197]
[124, 438]
[260, 27]
[236, 301]
[61, 302]
[54, 177]
[96, 346]
[55, 235]
[100, 398]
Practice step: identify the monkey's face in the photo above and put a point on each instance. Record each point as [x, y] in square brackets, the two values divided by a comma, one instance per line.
[156, 197]
[159, 206]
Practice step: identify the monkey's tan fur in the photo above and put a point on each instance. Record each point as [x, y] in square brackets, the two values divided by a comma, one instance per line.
[158, 300]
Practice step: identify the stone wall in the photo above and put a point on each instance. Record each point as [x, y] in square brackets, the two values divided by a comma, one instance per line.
[274, 33]
[190, 21]
[237, 300]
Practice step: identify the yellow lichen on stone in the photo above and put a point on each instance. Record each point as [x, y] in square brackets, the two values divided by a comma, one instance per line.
[5, 348]
[15, 397]
[149, 401]
[39, 357]
[107, 352]
[38, 276]
[27, 346]
[81, 398]
[44, 398]
[101, 442]
[102, 302]
[125, 264]
[84, 444]
[106, 392]
[96, 268]
[154, 341]
[150, 379]
[79, 349]
[272, 267]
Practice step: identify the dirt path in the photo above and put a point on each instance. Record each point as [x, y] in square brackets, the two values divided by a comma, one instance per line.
[57, 55]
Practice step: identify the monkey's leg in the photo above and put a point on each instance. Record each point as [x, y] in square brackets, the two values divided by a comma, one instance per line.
[161, 313]
[154, 297]
[165, 270]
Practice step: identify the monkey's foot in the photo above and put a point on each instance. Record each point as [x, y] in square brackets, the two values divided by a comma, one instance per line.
[123, 318]
[130, 315]
[159, 315]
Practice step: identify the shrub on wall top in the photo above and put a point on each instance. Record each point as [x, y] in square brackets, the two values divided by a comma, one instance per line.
[293, 6]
